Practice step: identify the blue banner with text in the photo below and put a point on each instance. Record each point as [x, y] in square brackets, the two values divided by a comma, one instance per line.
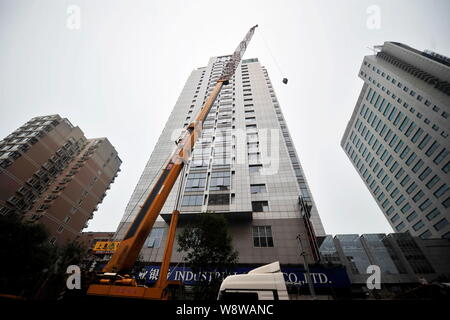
[322, 277]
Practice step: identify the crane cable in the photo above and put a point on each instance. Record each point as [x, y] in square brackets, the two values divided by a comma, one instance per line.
[273, 57]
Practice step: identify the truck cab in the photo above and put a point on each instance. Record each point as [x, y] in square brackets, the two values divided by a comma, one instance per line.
[263, 283]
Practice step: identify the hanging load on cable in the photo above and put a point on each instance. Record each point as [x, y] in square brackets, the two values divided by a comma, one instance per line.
[285, 80]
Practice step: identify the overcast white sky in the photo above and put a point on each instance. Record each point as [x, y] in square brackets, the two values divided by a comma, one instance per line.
[120, 74]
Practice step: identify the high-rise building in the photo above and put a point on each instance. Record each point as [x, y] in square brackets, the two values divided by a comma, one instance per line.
[398, 137]
[243, 165]
[51, 174]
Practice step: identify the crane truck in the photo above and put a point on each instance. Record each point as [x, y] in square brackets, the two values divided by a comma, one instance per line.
[115, 279]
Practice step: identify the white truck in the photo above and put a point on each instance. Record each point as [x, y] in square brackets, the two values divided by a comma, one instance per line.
[263, 283]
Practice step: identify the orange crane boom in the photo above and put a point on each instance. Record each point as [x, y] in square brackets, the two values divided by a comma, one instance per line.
[115, 281]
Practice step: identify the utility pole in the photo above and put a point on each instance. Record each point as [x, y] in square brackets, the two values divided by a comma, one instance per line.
[306, 266]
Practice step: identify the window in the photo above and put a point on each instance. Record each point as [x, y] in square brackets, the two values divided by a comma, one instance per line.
[400, 226]
[441, 156]
[446, 203]
[432, 149]
[441, 191]
[441, 224]
[411, 188]
[394, 193]
[252, 137]
[405, 180]
[389, 161]
[220, 180]
[433, 181]
[262, 236]
[254, 168]
[389, 211]
[258, 188]
[260, 206]
[399, 173]
[389, 186]
[155, 238]
[417, 166]
[410, 129]
[253, 147]
[417, 135]
[411, 158]
[404, 124]
[446, 168]
[400, 200]
[196, 182]
[406, 207]
[418, 196]
[411, 217]
[405, 152]
[219, 199]
[394, 166]
[192, 200]
[425, 173]
[433, 214]
[418, 225]
[425, 205]
[425, 235]
[424, 142]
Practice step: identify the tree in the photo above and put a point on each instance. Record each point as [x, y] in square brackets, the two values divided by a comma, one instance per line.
[25, 255]
[72, 253]
[207, 247]
[30, 266]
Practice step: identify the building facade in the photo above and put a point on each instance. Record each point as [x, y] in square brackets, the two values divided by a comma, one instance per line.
[398, 137]
[405, 262]
[244, 165]
[89, 239]
[51, 174]
[99, 246]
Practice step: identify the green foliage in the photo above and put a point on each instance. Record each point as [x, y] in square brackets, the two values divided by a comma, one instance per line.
[30, 266]
[207, 246]
[71, 253]
[25, 255]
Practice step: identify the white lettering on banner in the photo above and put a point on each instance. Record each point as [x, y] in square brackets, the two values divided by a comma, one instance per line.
[186, 276]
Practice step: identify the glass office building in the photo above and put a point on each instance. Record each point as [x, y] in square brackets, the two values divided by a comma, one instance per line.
[398, 137]
[401, 258]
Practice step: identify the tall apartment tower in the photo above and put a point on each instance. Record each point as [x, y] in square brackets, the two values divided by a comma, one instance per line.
[51, 174]
[244, 165]
[398, 137]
